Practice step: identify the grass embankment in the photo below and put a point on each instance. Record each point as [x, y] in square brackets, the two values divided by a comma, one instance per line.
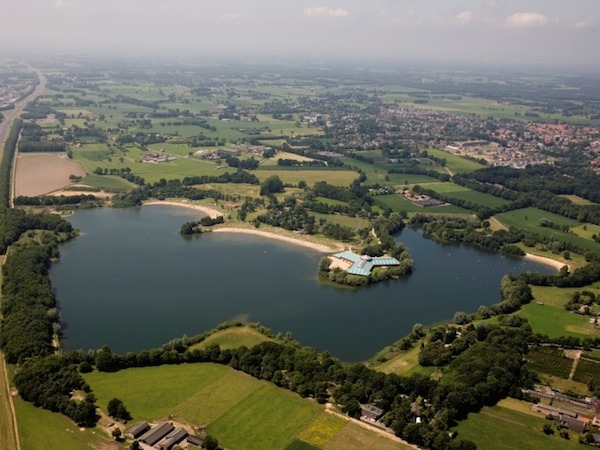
[234, 337]
[511, 424]
[241, 411]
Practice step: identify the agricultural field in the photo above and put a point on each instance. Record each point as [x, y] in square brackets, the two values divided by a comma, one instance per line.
[234, 337]
[549, 360]
[586, 371]
[42, 173]
[334, 177]
[577, 200]
[232, 405]
[510, 425]
[463, 193]
[455, 163]
[110, 183]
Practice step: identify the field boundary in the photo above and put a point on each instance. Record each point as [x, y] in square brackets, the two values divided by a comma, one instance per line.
[12, 417]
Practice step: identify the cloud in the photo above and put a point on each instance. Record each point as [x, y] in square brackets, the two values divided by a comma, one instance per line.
[464, 18]
[526, 20]
[236, 15]
[322, 11]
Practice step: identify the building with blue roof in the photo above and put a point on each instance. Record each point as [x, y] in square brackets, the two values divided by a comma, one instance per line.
[363, 265]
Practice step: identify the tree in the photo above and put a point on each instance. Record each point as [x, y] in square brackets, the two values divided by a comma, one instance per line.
[116, 433]
[117, 410]
[210, 443]
[271, 185]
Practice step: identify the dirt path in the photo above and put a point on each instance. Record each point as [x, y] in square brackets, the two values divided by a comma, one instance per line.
[9, 435]
[575, 355]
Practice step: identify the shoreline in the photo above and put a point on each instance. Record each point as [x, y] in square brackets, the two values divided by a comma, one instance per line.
[212, 213]
[318, 247]
[546, 260]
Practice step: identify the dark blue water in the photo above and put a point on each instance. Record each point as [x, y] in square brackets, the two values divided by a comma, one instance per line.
[132, 282]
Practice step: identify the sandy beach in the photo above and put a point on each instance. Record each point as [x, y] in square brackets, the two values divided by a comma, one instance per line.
[312, 245]
[545, 260]
[213, 213]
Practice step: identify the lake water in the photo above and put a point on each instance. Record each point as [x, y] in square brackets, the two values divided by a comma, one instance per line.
[130, 281]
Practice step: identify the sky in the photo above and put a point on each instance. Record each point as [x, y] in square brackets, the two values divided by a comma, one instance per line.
[494, 31]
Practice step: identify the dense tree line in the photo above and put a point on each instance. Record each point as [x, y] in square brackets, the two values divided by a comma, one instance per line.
[296, 163]
[10, 147]
[247, 164]
[52, 200]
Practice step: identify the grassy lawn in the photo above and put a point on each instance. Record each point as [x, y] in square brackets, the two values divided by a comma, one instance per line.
[234, 337]
[454, 162]
[403, 362]
[42, 429]
[507, 427]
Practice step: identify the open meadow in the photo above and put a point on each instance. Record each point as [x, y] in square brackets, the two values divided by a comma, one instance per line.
[233, 406]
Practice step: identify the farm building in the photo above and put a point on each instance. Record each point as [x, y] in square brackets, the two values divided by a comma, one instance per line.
[173, 438]
[137, 430]
[370, 412]
[364, 264]
[156, 433]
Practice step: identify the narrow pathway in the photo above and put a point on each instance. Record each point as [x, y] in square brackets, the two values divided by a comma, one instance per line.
[575, 354]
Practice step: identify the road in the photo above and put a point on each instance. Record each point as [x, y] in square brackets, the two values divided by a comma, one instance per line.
[11, 114]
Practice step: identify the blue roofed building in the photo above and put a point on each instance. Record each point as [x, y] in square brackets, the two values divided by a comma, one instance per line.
[363, 265]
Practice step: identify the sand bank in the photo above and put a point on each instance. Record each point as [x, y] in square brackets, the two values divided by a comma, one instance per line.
[545, 260]
[213, 213]
[313, 245]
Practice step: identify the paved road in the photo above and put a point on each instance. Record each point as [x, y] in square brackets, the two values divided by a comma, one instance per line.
[11, 114]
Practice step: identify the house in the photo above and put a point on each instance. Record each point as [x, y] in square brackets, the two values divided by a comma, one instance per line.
[370, 412]
[137, 430]
[572, 423]
[156, 433]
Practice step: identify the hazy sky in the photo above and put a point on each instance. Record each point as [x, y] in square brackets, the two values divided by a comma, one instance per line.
[555, 31]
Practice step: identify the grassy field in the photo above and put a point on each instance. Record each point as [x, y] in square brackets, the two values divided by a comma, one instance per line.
[509, 425]
[398, 203]
[240, 411]
[234, 337]
[334, 177]
[42, 429]
[555, 321]
[528, 219]
[577, 200]
[454, 162]
[463, 193]
[109, 182]
[402, 362]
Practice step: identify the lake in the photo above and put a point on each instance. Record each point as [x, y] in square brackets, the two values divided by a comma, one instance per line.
[132, 282]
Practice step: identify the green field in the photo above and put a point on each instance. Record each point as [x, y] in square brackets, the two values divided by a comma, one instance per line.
[402, 362]
[507, 426]
[528, 219]
[334, 177]
[398, 203]
[42, 429]
[108, 182]
[554, 321]
[454, 162]
[234, 337]
[241, 411]
[462, 193]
